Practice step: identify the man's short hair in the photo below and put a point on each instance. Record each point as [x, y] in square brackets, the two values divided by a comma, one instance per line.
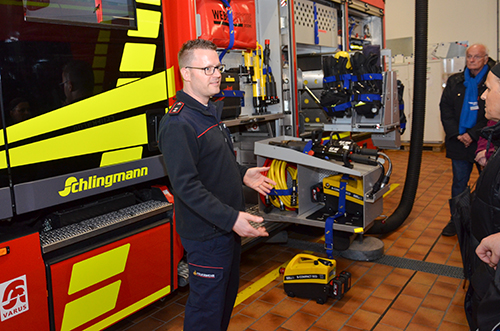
[81, 75]
[185, 55]
[13, 104]
[495, 70]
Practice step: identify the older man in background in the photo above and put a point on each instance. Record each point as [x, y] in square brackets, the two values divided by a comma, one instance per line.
[462, 116]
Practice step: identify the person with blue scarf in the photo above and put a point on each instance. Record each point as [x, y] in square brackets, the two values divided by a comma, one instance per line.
[462, 116]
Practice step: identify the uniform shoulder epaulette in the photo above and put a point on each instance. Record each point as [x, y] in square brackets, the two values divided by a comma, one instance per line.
[176, 108]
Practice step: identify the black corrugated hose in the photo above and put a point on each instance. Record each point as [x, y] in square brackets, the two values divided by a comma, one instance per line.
[417, 128]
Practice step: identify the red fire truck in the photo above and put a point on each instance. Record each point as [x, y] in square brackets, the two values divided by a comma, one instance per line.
[87, 233]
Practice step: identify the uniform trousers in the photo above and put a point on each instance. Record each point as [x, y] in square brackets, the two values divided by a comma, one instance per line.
[214, 272]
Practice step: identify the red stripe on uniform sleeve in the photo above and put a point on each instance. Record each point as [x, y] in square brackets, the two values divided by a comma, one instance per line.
[201, 134]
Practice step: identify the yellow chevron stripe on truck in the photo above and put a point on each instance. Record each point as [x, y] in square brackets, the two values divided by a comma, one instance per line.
[136, 94]
[3, 160]
[93, 305]
[140, 93]
[130, 309]
[123, 81]
[138, 57]
[91, 272]
[121, 156]
[171, 88]
[120, 134]
[148, 24]
[98, 268]
[150, 2]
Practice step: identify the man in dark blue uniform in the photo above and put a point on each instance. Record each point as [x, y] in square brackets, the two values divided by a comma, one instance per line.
[207, 185]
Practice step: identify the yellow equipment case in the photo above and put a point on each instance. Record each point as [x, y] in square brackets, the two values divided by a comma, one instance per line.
[328, 192]
[311, 277]
[354, 193]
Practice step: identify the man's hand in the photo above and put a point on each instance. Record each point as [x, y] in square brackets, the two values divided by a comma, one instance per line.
[244, 229]
[481, 158]
[257, 181]
[465, 139]
[489, 250]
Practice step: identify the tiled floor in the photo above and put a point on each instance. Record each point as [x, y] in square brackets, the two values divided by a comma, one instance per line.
[381, 298]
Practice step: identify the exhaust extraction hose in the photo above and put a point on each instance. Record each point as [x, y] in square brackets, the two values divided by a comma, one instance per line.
[417, 128]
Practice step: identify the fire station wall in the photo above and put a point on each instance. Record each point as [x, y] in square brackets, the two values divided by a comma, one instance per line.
[448, 21]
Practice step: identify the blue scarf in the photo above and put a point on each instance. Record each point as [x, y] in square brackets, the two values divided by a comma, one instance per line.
[468, 116]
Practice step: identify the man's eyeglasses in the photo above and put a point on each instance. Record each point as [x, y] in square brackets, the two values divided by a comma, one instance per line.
[475, 57]
[209, 71]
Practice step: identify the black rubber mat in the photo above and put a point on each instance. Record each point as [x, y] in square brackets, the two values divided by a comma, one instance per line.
[417, 265]
[393, 261]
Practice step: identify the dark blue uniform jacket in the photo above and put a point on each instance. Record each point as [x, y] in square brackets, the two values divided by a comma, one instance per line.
[201, 165]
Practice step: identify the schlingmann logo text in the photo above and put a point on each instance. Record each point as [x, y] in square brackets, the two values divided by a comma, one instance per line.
[75, 185]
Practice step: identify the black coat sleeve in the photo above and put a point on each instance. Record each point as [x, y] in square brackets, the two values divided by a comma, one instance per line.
[447, 108]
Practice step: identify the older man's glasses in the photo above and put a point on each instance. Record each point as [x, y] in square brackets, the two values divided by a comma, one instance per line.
[209, 71]
[475, 57]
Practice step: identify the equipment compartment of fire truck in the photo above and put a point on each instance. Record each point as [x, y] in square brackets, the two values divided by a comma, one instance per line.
[87, 232]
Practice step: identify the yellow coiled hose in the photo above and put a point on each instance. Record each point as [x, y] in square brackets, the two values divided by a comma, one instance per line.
[278, 172]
